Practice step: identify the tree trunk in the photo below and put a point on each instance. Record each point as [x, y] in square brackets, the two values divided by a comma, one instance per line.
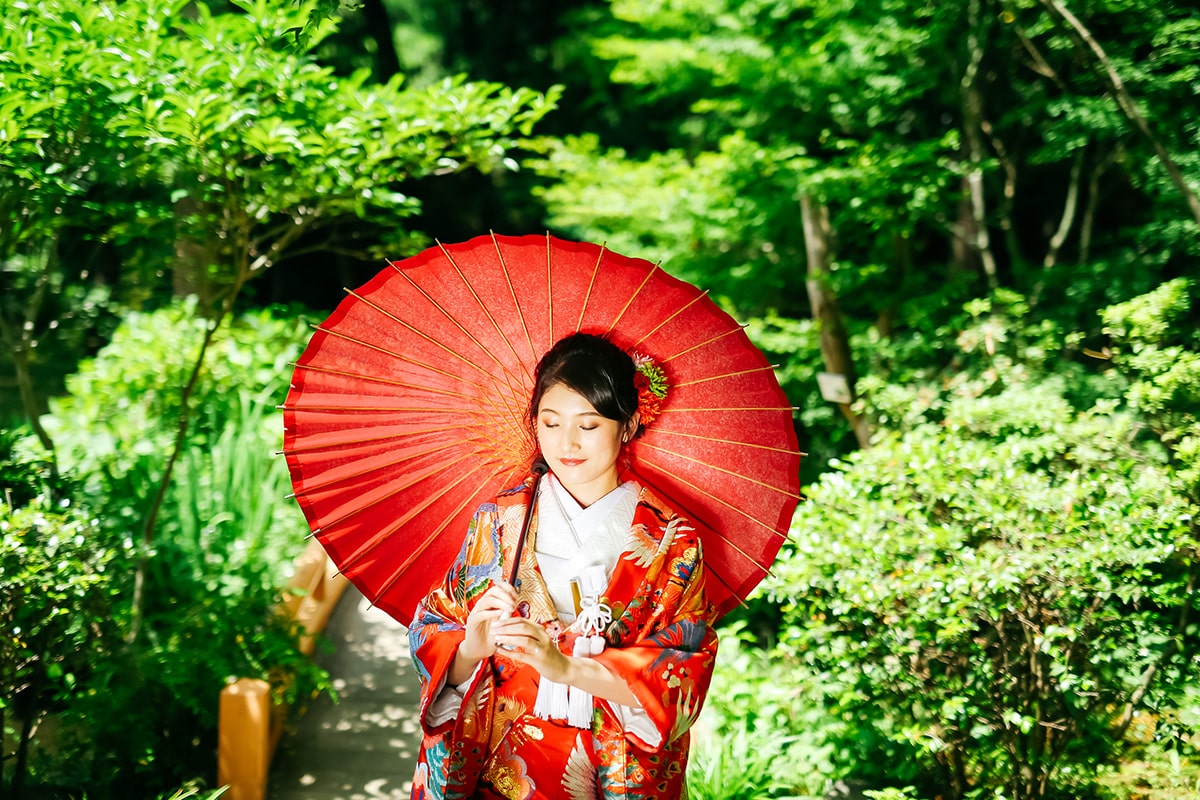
[193, 260]
[835, 343]
[973, 121]
[1068, 214]
[28, 717]
[387, 62]
[1007, 206]
[1070, 207]
[1088, 222]
[20, 337]
[1127, 104]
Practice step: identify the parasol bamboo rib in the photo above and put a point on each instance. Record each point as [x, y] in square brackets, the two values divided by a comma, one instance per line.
[773, 409]
[735, 474]
[712, 570]
[660, 431]
[634, 296]
[721, 536]
[427, 338]
[511, 421]
[370, 409]
[309, 489]
[549, 295]
[317, 448]
[711, 378]
[487, 313]
[516, 303]
[371, 544]
[509, 378]
[321, 448]
[715, 499]
[397, 356]
[443, 525]
[385, 381]
[699, 296]
[587, 298]
[424, 336]
[705, 343]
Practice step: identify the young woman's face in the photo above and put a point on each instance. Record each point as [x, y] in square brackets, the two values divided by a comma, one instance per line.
[580, 445]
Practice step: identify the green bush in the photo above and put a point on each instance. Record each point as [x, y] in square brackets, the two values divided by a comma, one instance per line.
[761, 733]
[145, 718]
[989, 594]
[60, 576]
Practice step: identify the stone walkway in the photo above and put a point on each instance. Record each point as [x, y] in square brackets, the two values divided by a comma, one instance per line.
[364, 746]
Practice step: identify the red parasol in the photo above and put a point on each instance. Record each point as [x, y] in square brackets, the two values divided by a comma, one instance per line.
[407, 409]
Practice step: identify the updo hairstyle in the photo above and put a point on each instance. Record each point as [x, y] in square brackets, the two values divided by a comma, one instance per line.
[595, 368]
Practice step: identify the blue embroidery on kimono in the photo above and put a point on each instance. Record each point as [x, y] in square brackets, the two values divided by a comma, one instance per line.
[424, 623]
[480, 573]
[678, 641]
[684, 569]
[436, 770]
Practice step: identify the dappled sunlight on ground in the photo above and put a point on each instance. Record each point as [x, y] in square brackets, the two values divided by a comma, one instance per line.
[363, 747]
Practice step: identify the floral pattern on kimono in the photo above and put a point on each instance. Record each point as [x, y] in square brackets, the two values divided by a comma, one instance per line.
[661, 643]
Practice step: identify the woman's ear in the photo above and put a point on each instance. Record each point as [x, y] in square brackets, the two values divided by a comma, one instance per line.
[631, 428]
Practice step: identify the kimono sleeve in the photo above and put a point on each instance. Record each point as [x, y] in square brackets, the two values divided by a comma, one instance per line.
[438, 626]
[669, 664]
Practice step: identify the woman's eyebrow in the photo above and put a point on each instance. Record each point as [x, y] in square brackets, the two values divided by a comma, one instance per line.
[581, 414]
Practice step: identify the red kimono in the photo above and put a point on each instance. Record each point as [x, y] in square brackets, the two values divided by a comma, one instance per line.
[660, 642]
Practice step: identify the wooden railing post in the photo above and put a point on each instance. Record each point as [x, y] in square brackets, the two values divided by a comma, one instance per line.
[244, 739]
[249, 724]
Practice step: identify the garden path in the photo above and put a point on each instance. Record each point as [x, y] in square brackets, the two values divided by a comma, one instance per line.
[364, 746]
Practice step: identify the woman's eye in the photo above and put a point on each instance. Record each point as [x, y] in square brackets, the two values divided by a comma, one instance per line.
[587, 428]
[549, 424]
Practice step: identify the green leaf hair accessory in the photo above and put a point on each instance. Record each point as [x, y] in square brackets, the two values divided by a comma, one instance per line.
[651, 383]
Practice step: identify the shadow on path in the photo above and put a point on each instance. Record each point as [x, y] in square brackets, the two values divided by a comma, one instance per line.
[364, 746]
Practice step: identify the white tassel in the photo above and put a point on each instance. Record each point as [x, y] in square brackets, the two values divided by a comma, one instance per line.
[579, 704]
[541, 706]
[552, 700]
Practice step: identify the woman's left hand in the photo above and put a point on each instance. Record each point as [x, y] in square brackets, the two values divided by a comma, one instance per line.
[527, 642]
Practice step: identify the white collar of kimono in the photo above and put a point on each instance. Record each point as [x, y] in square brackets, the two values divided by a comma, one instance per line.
[586, 520]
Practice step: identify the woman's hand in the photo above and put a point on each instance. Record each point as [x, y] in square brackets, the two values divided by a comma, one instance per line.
[531, 645]
[497, 603]
[527, 642]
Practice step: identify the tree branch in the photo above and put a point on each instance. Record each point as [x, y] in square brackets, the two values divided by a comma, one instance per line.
[1127, 103]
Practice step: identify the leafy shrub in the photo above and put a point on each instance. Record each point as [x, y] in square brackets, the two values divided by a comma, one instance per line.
[990, 593]
[59, 582]
[145, 719]
[761, 733]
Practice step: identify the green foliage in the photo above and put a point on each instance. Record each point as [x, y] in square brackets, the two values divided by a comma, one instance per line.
[146, 715]
[60, 583]
[1157, 345]
[761, 733]
[193, 791]
[205, 146]
[993, 590]
[740, 765]
[889, 113]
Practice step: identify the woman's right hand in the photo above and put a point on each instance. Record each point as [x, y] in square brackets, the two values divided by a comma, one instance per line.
[497, 602]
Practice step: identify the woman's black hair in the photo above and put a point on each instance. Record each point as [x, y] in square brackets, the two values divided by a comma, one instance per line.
[595, 368]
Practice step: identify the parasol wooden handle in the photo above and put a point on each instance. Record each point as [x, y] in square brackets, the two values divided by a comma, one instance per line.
[539, 468]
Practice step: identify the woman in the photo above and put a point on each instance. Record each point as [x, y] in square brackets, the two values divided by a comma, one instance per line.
[582, 678]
